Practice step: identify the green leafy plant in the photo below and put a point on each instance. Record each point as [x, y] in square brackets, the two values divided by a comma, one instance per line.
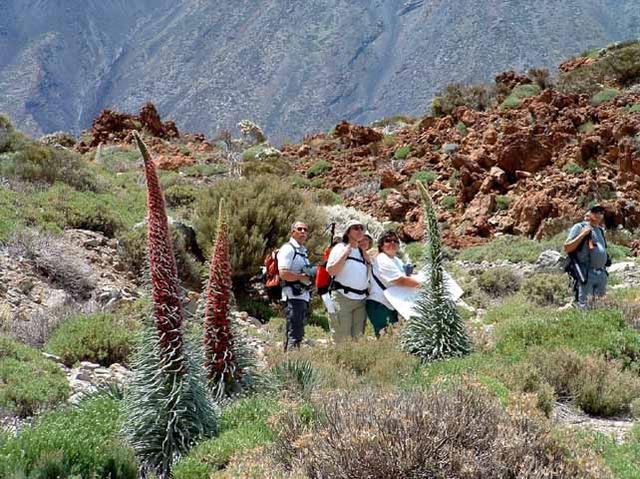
[573, 169]
[449, 202]
[30, 382]
[263, 210]
[318, 168]
[103, 338]
[425, 176]
[462, 128]
[72, 442]
[402, 152]
[546, 289]
[502, 202]
[328, 197]
[436, 331]
[604, 96]
[499, 281]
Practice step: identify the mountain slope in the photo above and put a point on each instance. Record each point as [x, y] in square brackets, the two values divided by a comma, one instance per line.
[293, 67]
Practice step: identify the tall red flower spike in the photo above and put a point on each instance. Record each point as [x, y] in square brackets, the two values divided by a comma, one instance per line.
[168, 313]
[218, 336]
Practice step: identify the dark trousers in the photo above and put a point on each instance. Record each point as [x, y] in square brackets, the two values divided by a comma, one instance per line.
[296, 311]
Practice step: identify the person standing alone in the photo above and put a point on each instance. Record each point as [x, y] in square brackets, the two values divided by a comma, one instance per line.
[296, 284]
[588, 247]
[348, 266]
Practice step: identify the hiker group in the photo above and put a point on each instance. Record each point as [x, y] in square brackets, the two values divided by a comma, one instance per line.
[353, 276]
[351, 281]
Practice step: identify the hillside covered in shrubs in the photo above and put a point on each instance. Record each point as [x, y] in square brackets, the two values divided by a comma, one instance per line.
[135, 340]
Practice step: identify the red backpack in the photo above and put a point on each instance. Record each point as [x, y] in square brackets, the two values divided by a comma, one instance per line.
[271, 275]
[323, 279]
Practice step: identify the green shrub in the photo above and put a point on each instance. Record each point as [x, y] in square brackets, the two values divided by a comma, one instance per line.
[301, 182]
[635, 108]
[476, 97]
[402, 152]
[180, 195]
[318, 168]
[61, 207]
[587, 127]
[596, 331]
[263, 210]
[269, 166]
[526, 91]
[502, 202]
[416, 252]
[461, 127]
[604, 96]
[252, 153]
[132, 250]
[511, 102]
[424, 176]
[205, 170]
[546, 289]
[573, 169]
[255, 308]
[23, 158]
[388, 140]
[499, 281]
[449, 202]
[75, 442]
[328, 197]
[296, 375]
[101, 338]
[244, 426]
[596, 385]
[511, 248]
[29, 381]
[385, 193]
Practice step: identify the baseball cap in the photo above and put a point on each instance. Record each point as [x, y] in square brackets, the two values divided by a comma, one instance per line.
[596, 209]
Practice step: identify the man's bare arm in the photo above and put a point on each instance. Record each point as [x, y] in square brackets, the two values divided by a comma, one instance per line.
[571, 246]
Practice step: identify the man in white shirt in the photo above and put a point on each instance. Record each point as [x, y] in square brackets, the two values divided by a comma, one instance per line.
[349, 268]
[296, 285]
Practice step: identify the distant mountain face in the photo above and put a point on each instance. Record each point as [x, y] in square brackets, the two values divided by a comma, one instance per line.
[291, 66]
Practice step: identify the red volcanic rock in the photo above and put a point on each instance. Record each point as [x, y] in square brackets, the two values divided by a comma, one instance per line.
[355, 135]
[570, 65]
[390, 179]
[512, 79]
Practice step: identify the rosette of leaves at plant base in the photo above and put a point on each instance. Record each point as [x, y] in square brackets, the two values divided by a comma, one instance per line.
[166, 406]
[437, 331]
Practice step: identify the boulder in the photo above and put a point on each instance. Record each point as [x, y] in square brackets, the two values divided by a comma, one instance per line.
[549, 261]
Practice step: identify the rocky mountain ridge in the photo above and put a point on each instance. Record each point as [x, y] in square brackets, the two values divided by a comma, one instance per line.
[293, 67]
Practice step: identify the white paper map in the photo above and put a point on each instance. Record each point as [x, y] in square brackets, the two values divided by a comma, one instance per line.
[403, 298]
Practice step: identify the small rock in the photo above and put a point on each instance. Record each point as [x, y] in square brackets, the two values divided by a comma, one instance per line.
[53, 357]
[449, 148]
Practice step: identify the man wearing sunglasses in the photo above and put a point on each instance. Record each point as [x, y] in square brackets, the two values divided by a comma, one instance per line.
[348, 266]
[296, 284]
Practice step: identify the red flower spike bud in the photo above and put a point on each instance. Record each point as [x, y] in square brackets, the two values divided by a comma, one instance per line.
[218, 336]
[168, 313]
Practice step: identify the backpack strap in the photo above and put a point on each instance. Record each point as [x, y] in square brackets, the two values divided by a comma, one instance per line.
[358, 260]
[382, 286]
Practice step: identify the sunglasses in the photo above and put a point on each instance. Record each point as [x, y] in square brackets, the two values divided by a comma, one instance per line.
[301, 229]
[357, 227]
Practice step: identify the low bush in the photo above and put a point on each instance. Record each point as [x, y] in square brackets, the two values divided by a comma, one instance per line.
[502, 202]
[573, 169]
[604, 96]
[244, 426]
[301, 182]
[318, 168]
[328, 197]
[72, 442]
[180, 195]
[296, 375]
[499, 281]
[546, 289]
[23, 158]
[449, 202]
[277, 166]
[256, 308]
[103, 338]
[263, 210]
[476, 97]
[416, 252]
[511, 248]
[635, 108]
[462, 128]
[206, 170]
[55, 259]
[402, 152]
[30, 382]
[425, 176]
[601, 332]
[351, 438]
[596, 385]
[132, 249]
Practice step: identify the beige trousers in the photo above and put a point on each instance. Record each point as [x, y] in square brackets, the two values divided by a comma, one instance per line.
[349, 319]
